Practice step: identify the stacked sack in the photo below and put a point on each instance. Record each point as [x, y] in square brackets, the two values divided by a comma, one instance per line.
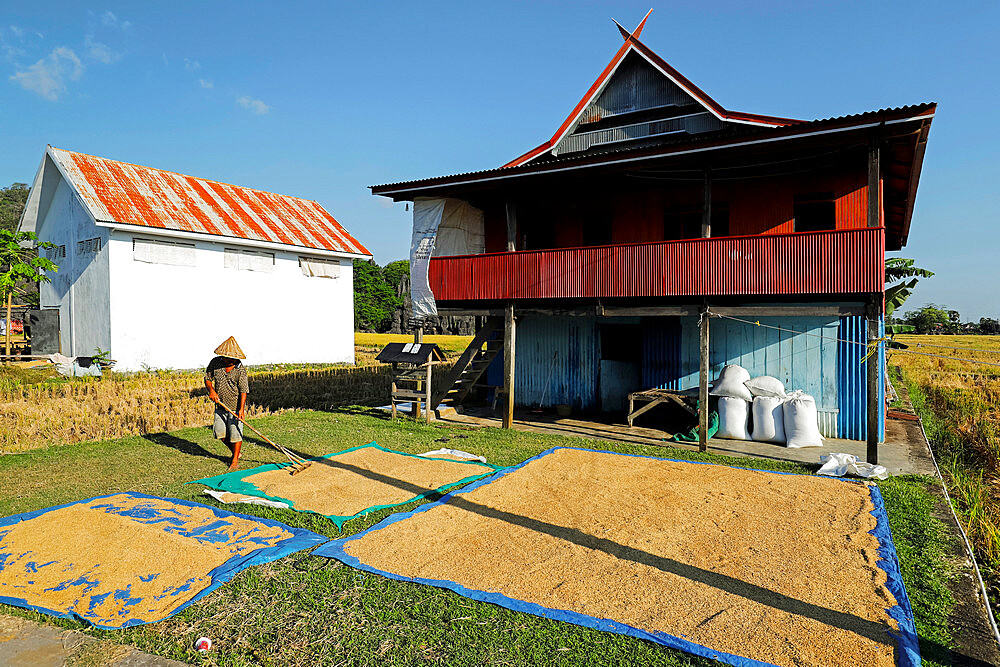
[789, 419]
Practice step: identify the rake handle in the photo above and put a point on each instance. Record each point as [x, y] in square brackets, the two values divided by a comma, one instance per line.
[295, 458]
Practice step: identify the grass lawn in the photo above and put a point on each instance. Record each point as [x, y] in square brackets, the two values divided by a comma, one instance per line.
[304, 610]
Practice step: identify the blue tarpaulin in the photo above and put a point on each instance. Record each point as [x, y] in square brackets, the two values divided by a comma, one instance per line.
[128, 558]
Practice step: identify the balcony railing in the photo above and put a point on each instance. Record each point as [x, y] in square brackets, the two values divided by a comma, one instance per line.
[837, 262]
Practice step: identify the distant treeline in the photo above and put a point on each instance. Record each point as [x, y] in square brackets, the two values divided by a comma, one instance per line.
[935, 319]
[377, 293]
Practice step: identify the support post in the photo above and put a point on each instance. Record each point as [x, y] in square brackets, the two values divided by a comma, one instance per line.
[392, 396]
[508, 366]
[511, 226]
[703, 383]
[427, 402]
[418, 337]
[874, 186]
[7, 328]
[873, 384]
[706, 210]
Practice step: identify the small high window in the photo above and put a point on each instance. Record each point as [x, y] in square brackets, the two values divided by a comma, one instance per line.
[315, 267]
[88, 246]
[249, 260]
[57, 252]
[815, 212]
[159, 251]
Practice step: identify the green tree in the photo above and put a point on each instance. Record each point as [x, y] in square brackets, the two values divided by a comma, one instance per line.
[12, 201]
[989, 326]
[21, 267]
[931, 318]
[393, 272]
[374, 300]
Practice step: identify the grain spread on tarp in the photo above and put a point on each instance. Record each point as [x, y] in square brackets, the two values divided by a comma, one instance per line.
[777, 568]
[349, 483]
[127, 559]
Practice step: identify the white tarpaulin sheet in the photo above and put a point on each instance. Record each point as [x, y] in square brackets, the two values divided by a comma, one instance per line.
[319, 268]
[440, 227]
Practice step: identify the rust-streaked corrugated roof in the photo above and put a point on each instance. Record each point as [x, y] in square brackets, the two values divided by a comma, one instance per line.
[123, 193]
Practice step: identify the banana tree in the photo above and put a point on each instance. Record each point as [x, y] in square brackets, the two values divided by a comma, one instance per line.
[904, 276]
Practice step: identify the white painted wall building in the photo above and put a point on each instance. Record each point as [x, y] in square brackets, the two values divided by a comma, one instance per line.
[159, 268]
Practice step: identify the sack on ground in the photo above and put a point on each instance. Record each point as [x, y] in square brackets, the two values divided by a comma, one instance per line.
[731, 382]
[733, 414]
[838, 465]
[801, 421]
[765, 385]
[768, 419]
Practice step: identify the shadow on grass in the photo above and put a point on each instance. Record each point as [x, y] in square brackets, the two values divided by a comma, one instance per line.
[875, 631]
[183, 446]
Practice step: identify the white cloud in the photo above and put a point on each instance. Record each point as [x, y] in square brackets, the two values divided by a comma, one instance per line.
[100, 52]
[18, 32]
[206, 83]
[253, 105]
[48, 76]
[191, 65]
[109, 19]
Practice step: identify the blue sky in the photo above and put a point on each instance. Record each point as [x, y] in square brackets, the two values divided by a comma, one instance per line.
[321, 100]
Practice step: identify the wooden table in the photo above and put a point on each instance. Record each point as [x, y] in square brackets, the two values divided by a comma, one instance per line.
[654, 397]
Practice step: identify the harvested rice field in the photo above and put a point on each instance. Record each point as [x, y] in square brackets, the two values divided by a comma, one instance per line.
[667, 548]
[306, 610]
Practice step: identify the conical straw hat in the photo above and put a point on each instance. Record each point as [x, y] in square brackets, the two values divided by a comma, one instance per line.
[230, 348]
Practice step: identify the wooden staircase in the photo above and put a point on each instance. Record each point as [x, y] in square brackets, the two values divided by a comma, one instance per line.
[477, 357]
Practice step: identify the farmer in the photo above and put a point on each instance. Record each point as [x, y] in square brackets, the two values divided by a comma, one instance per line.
[226, 380]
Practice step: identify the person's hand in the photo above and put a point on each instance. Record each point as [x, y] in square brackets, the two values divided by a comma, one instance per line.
[214, 396]
[242, 412]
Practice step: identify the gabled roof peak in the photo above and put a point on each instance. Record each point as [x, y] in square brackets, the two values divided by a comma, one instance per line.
[671, 103]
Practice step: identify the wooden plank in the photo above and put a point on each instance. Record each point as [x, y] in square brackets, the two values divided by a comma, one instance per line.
[703, 383]
[644, 409]
[9, 325]
[706, 211]
[418, 337]
[392, 394]
[650, 311]
[511, 226]
[837, 310]
[508, 366]
[873, 407]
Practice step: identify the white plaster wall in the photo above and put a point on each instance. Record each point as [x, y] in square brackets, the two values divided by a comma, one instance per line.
[165, 316]
[79, 289]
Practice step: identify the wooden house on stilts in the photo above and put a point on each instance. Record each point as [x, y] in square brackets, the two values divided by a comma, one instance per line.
[657, 236]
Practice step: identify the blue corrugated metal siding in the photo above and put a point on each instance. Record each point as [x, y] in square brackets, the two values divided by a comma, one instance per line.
[803, 362]
[574, 344]
[661, 353]
[852, 374]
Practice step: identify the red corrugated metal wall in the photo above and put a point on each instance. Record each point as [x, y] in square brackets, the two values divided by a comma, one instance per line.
[848, 261]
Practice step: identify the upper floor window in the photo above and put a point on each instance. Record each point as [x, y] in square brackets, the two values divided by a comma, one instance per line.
[89, 246]
[815, 212]
[319, 268]
[249, 260]
[55, 252]
[681, 224]
[159, 251]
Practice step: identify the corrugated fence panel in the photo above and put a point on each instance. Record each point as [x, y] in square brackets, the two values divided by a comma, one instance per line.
[843, 261]
[557, 361]
[661, 353]
[852, 378]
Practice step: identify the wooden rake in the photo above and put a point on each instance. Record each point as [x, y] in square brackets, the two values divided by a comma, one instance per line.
[298, 463]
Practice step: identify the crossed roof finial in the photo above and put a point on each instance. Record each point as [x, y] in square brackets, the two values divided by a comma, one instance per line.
[626, 35]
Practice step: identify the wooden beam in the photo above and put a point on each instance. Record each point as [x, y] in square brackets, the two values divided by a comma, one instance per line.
[703, 383]
[511, 226]
[508, 366]
[8, 326]
[651, 311]
[874, 191]
[706, 211]
[873, 386]
[838, 310]
[418, 337]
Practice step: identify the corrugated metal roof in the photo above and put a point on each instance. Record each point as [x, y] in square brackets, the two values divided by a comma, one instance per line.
[131, 194]
[722, 137]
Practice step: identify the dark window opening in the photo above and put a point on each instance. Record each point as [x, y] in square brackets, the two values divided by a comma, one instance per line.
[686, 224]
[621, 342]
[815, 212]
[596, 226]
